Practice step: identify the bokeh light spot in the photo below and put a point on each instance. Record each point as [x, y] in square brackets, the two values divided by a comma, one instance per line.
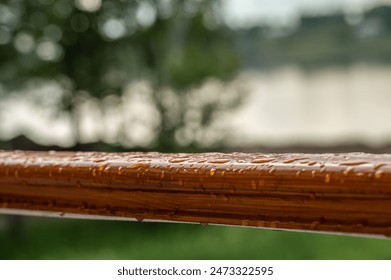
[146, 14]
[114, 28]
[89, 5]
[24, 42]
[49, 51]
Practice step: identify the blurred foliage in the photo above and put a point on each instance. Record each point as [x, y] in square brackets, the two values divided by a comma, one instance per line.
[77, 239]
[94, 49]
[201, 47]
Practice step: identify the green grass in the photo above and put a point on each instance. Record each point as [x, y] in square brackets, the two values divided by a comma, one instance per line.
[51, 238]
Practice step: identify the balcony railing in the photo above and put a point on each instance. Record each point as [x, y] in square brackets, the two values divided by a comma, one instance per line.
[344, 193]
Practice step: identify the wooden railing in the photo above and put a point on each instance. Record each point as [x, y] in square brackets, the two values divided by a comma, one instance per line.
[345, 193]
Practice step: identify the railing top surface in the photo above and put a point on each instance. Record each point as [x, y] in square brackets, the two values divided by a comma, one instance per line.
[235, 157]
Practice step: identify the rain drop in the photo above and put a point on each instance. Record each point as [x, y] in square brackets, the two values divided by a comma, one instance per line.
[177, 160]
[100, 168]
[139, 165]
[327, 178]
[353, 163]
[262, 160]
[219, 161]
[378, 174]
[377, 166]
[347, 171]
[293, 160]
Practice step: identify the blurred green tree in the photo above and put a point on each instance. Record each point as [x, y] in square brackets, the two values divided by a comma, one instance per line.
[92, 49]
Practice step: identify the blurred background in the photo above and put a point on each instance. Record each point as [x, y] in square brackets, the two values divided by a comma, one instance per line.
[191, 76]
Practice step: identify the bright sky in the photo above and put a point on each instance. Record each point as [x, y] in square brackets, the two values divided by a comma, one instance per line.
[248, 12]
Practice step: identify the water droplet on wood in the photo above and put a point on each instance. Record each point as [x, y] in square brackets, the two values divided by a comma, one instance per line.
[353, 163]
[347, 171]
[327, 178]
[262, 160]
[138, 165]
[378, 174]
[178, 160]
[100, 168]
[219, 161]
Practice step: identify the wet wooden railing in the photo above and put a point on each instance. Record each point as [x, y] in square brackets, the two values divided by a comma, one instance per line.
[345, 193]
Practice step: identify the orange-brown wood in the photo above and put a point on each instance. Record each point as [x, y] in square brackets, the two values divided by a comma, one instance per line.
[346, 193]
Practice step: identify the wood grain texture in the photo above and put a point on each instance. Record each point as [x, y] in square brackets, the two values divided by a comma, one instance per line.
[345, 193]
